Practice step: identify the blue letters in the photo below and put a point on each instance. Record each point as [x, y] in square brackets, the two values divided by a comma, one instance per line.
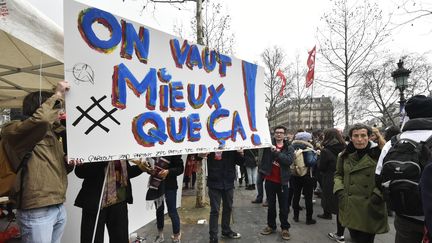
[155, 134]
[179, 55]
[176, 93]
[122, 75]
[131, 40]
[194, 125]
[196, 102]
[86, 19]
[174, 136]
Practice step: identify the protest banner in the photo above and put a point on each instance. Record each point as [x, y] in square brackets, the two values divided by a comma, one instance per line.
[139, 92]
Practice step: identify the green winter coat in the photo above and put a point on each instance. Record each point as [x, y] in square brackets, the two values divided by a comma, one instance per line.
[361, 203]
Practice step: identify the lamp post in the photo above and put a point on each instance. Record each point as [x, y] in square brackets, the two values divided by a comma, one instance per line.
[400, 77]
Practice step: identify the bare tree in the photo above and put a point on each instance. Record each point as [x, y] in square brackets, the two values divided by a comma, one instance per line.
[216, 27]
[378, 97]
[352, 34]
[300, 98]
[274, 59]
[377, 93]
[410, 11]
[338, 111]
[420, 79]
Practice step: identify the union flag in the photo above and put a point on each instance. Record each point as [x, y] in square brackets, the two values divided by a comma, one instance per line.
[311, 67]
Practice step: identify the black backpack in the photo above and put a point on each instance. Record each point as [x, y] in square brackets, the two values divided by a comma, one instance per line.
[401, 172]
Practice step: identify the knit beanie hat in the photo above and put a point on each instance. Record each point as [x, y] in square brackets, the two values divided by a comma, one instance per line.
[419, 106]
[304, 136]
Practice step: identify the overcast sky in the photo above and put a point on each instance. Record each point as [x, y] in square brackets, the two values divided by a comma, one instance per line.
[260, 24]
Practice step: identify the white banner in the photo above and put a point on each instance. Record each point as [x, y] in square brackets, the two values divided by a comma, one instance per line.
[139, 92]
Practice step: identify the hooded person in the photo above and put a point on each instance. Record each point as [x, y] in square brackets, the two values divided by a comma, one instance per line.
[306, 183]
[418, 128]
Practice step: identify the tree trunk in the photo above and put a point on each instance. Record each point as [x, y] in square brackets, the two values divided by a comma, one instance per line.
[200, 192]
[346, 107]
[346, 66]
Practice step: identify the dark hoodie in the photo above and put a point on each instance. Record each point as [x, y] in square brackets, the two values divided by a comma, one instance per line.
[328, 157]
[327, 168]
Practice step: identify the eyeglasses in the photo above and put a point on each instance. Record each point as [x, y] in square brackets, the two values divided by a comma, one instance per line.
[279, 133]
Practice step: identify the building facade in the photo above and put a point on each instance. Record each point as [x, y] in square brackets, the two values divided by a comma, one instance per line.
[309, 114]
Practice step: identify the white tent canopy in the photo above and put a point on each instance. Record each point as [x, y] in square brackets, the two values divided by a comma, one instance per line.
[31, 52]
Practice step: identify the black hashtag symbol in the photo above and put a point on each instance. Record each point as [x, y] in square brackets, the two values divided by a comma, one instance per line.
[97, 123]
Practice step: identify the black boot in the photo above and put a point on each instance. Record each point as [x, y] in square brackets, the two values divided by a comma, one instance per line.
[296, 215]
[310, 221]
[325, 216]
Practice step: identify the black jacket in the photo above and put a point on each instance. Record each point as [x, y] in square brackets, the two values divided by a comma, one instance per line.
[221, 173]
[93, 175]
[175, 169]
[328, 158]
[285, 159]
[251, 156]
[327, 168]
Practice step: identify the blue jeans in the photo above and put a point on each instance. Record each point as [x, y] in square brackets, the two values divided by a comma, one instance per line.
[171, 202]
[42, 225]
[252, 175]
[260, 187]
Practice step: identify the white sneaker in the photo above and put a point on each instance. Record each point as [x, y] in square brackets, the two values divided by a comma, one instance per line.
[174, 240]
[337, 238]
[159, 239]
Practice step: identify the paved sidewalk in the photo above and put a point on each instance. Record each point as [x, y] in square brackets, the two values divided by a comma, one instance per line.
[249, 219]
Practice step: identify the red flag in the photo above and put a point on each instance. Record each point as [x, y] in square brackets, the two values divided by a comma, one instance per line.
[280, 75]
[311, 67]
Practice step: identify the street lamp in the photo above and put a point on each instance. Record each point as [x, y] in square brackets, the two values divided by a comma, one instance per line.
[400, 77]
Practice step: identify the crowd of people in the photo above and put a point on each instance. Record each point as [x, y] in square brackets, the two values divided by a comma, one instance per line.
[350, 173]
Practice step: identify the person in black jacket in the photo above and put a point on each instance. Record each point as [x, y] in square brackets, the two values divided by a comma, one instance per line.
[275, 168]
[333, 144]
[220, 181]
[117, 193]
[168, 188]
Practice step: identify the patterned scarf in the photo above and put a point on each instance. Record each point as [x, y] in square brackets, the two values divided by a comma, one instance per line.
[156, 190]
[116, 183]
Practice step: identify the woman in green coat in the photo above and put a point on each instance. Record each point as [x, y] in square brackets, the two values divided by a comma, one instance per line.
[361, 205]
